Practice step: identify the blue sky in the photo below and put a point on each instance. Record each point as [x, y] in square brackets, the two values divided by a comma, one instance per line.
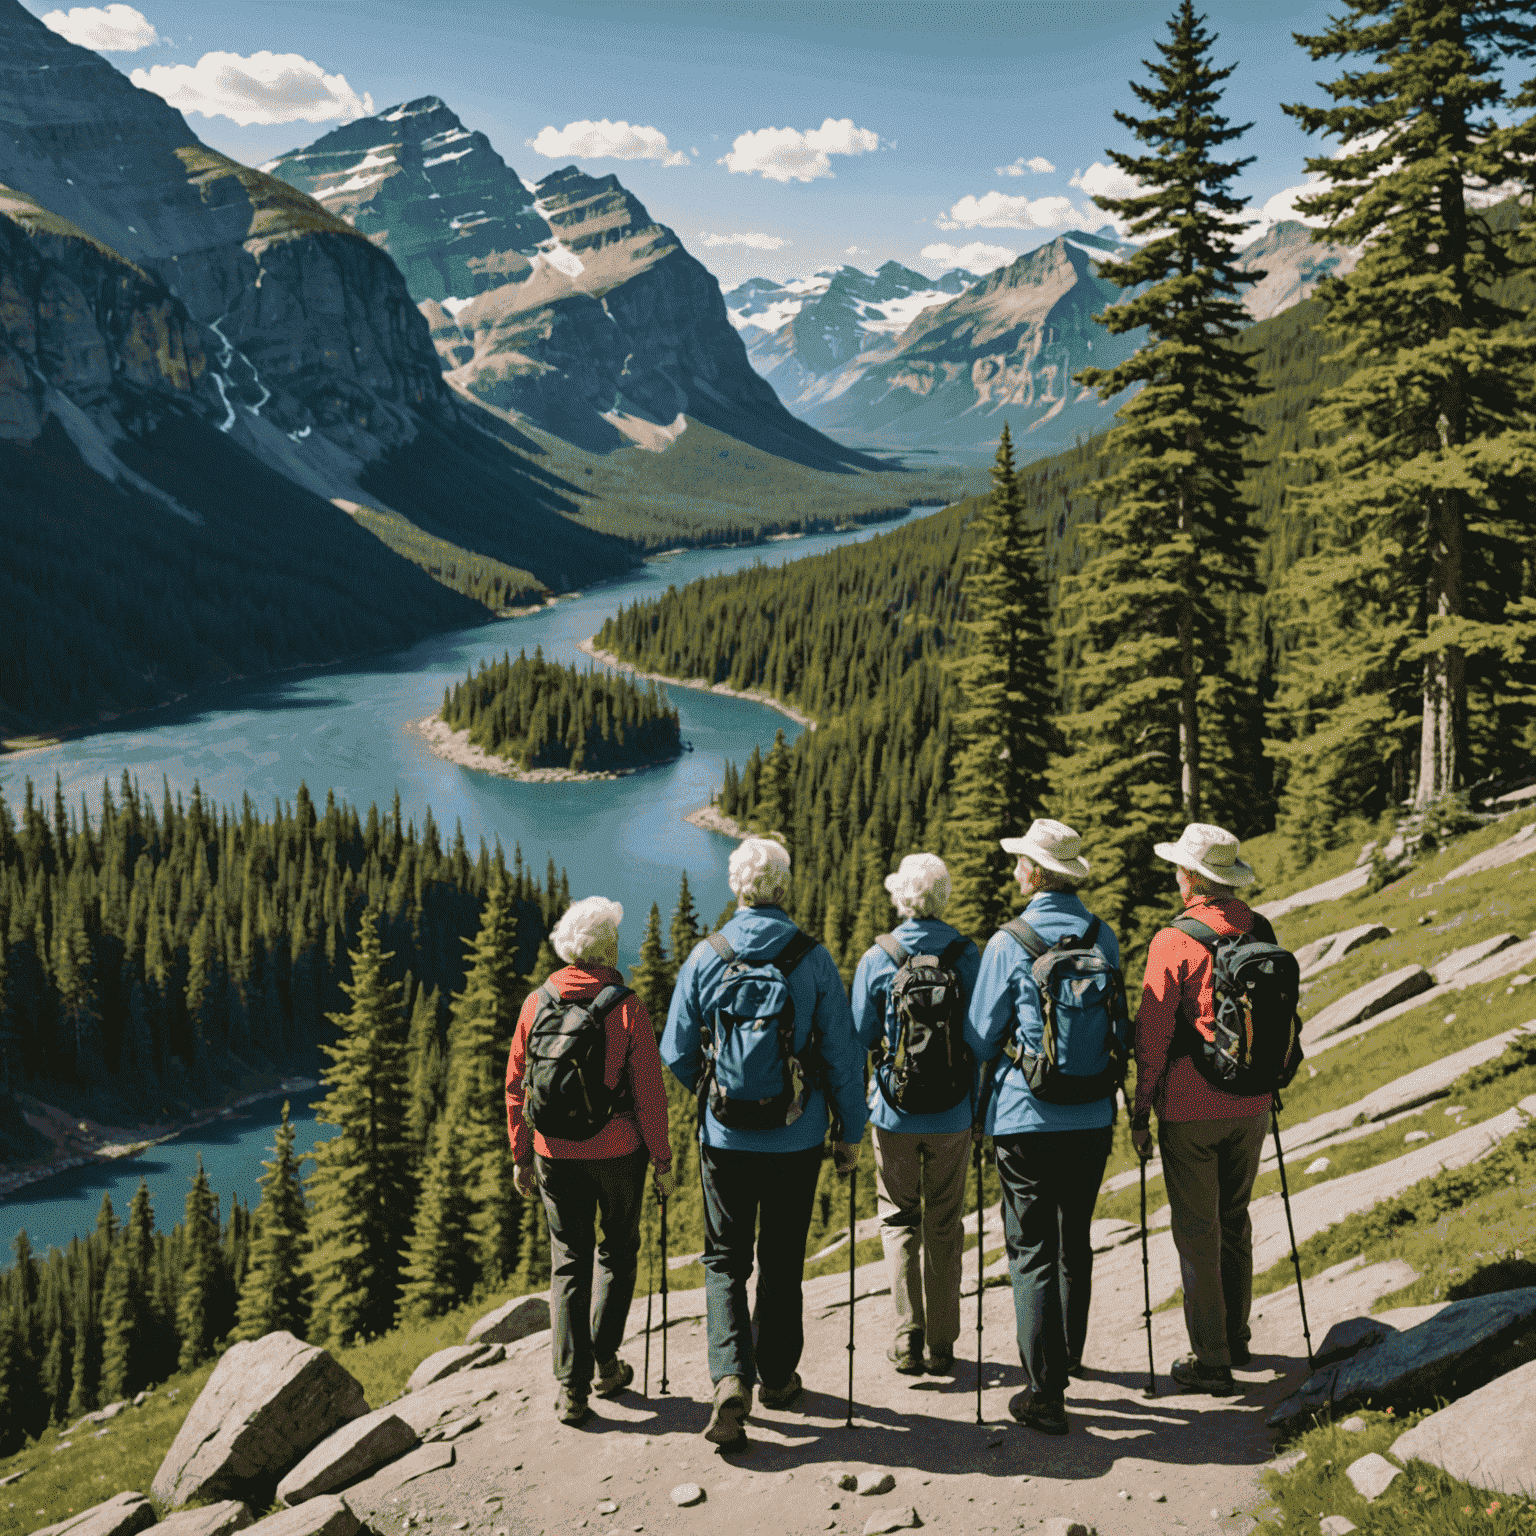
[774, 137]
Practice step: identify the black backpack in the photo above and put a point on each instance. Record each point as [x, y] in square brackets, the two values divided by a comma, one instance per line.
[753, 1078]
[567, 1057]
[1083, 1014]
[1256, 986]
[926, 1067]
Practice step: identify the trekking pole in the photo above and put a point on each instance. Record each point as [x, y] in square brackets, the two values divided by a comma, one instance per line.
[663, 1298]
[1285, 1195]
[853, 1182]
[1146, 1283]
[981, 1263]
[650, 1292]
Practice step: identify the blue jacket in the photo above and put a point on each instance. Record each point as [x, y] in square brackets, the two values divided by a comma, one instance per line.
[1006, 1002]
[872, 1016]
[759, 933]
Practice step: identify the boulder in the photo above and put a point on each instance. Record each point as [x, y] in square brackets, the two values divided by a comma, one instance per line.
[1496, 967]
[443, 1401]
[351, 1452]
[1512, 848]
[1336, 1525]
[430, 1458]
[891, 1520]
[1471, 954]
[1487, 1438]
[1457, 1349]
[444, 1363]
[685, 1495]
[1330, 890]
[327, 1515]
[1322, 953]
[1060, 1525]
[268, 1401]
[1365, 1002]
[208, 1520]
[125, 1515]
[511, 1321]
[1372, 1475]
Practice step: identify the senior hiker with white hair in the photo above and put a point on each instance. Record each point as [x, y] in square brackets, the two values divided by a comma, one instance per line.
[1210, 1138]
[1049, 1011]
[910, 994]
[759, 1027]
[586, 1111]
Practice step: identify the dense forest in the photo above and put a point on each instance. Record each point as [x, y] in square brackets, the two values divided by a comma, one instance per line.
[538, 714]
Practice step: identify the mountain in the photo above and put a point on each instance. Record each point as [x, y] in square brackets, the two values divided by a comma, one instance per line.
[1293, 265]
[798, 333]
[565, 305]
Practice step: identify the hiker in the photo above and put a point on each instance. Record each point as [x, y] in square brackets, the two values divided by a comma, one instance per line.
[602, 1085]
[910, 993]
[759, 1027]
[1210, 1140]
[1050, 1122]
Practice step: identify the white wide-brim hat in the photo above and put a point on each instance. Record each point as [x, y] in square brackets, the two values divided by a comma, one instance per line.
[1209, 851]
[1053, 846]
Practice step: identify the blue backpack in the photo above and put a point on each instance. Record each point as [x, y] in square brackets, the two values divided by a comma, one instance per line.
[753, 1078]
[1083, 1049]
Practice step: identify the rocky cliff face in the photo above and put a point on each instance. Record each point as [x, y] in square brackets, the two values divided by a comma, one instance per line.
[1293, 266]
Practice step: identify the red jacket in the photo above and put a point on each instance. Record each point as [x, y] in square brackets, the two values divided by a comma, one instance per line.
[631, 1047]
[1179, 971]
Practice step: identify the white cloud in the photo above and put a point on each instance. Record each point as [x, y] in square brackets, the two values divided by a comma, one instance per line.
[265, 88]
[997, 210]
[856, 250]
[1036, 163]
[754, 242]
[787, 154]
[1101, 180]
[978, 256]
[107, 29]
[586, 140]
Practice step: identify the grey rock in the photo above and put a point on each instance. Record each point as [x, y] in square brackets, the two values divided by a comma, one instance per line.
[1372, 1475]
[1322, 953]
[1060, 1525]
[327, 1515]
[443, 1400]
[874, 1482]
[268, 1401]
[493, 1356]
[1284, 1464]
[453, 1429]
[417, 1463]
[1471, 954]
[1457, 1349]
[208, 1520]
[1336, 1525]
[1365, 1002]
[686, 1495]
[1330, 890]
[1354, 1424]
[891, 1520]
[14, 1477]
[125, 1515]
[444, 1363]
[1496, 967]
[1487, 1438]
[510, 1322]
[353, 1451]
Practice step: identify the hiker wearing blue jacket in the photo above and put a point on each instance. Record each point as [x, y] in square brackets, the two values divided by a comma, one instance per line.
[920, 1154]
[760, 1140]
[1050, 1155]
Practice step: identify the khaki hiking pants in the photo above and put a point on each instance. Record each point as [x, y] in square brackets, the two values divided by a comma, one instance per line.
[1209, 1167]
[920, 1179]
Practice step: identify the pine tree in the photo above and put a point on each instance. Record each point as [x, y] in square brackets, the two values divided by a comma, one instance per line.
[1411, 601]
[653, 976]
[276, 1291]
[196, 1304]
[1144, 623]
[441, 1270]
[685, 919]
[127, 1326]
[362, 1182]
[1006, 686]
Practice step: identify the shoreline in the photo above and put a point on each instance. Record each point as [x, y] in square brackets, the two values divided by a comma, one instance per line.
[588, 647]
[112, 1151]
[708, 818]
[456, 747]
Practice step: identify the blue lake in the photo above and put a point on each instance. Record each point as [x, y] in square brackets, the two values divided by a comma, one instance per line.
[349, 728]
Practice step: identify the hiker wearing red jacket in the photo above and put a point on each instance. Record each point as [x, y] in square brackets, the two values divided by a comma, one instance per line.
[603, 1173]
[1210, 1140]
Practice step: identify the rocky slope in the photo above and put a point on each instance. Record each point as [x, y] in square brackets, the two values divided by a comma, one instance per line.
[1293, 265]
[566, 307]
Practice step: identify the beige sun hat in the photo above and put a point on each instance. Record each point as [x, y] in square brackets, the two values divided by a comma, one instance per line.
[1209, 851]
[1052, 845]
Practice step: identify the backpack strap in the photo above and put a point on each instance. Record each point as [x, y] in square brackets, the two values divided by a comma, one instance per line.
[607, 1000]
[1263, 930]
[888, 942]
[949, 958]
[722, 947]
[1200, 932]
[798, 947]
[1026, 937]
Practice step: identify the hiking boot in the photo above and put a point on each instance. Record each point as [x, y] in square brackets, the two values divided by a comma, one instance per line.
[1216, 1380]
[1241, 1354]
[780, 1397]
[940, 1360]
[906, 1353]
[1050, 1418]
[727, 1417]
[611, 1379]
[570, 1409]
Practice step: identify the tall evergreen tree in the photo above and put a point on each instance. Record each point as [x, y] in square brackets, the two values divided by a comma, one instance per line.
[197, 1302]
[362, 1181]
[442, 1269]
[1145, 648]
[128, 1328]
[685, 931]
[653, 976]
[276, 1291]
[1007, 692]
[1422, 506]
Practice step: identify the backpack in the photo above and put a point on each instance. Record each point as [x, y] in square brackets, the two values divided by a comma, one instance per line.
[1256, 986]
[927, 1067]
[753, 1078]
[1083, 1015]
[567, 1056]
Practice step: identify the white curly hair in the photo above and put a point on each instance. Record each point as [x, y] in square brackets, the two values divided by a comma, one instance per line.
[920, 886]
[589, 930]
[758, 873]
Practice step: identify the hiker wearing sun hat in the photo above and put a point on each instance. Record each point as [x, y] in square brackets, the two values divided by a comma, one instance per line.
[1051, 1106]
[1210, 1140]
